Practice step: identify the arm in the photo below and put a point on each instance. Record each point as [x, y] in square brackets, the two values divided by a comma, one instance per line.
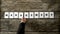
[21, 28]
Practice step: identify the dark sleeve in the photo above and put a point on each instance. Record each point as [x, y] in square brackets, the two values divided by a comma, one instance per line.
[21, 28]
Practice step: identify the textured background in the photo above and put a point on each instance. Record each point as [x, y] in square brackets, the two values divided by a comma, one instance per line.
[33, 26]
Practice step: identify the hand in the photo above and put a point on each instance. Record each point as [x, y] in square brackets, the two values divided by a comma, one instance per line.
[23, 20]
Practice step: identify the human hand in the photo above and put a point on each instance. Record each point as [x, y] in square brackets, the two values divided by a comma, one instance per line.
[23, 20]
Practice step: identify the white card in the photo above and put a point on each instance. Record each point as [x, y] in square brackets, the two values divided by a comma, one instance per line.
[36, 14]
[15, 14]
[31, 14]
[51, 14]
[20, 14]
[25, 14]
[46, 14]
[11, 15]
[6, 15]
[41, 14]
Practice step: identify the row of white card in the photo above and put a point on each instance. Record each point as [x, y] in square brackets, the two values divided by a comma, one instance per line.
[29, 14]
